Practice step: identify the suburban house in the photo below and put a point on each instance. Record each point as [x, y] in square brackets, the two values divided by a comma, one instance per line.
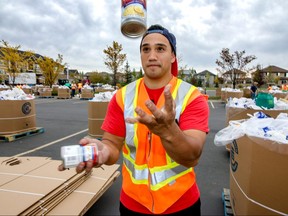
[206, 77]
[274, 74]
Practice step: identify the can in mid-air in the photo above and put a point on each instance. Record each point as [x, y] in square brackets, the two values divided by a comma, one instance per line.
[133, 18]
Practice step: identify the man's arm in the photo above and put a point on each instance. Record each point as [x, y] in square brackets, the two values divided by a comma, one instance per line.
[108, 152]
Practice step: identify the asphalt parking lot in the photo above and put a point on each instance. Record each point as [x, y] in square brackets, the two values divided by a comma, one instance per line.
[66, 121]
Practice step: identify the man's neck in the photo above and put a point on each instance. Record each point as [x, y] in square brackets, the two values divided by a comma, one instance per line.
[157, 83]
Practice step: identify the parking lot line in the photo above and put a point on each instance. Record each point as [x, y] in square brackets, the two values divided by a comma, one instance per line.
[51, 143]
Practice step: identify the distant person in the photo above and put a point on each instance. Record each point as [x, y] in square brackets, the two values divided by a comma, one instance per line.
[269, 87]
[73, 89]
[79, 87]
[253, 90]
[160, 124]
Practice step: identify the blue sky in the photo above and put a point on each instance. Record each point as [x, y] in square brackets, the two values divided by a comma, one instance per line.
[81, 30]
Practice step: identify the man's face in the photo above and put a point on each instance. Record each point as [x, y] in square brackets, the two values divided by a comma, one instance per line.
[156, 56]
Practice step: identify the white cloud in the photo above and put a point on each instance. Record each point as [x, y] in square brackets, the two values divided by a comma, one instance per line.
[81, 30]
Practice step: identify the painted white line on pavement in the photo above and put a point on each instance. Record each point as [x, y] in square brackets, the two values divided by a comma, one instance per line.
[212, 105]
[51, 143]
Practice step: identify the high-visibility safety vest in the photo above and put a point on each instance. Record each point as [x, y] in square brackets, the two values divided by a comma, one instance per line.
[150, 176]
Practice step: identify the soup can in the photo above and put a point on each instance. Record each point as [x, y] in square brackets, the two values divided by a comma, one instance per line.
[133, 18]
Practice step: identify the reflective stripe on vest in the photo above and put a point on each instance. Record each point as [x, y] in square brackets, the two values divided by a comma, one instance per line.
[157, 177]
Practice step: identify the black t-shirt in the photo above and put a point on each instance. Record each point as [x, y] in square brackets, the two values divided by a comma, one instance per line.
[253, 88]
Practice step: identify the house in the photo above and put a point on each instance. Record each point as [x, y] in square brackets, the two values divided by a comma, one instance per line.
[206, 77]
[274, 74]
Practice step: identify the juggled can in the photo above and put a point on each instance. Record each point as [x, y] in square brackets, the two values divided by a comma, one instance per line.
[133, 18]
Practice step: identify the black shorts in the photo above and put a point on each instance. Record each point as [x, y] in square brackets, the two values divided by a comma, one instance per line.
[194, 210]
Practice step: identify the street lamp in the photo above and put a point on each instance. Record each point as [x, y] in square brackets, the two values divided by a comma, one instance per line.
[67, 73]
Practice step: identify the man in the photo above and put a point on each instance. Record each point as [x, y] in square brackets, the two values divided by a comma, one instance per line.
[73, 87]
[253, 90]
[160, 124]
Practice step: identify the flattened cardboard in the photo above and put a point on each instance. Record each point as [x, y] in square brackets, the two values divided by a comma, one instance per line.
[87, 194]
[258, 177]
[35, 181]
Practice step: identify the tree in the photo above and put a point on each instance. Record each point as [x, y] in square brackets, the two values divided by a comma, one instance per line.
[140, 74]
[96, 77]
[15, 60]
[258, 76]
[51, 69]
[114, 59]
[233, 62]
[128, 74]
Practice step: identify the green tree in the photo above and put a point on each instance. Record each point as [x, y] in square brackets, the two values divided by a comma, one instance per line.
[51, 68]
[233, 62]
[114, 59]
[258, 76]
[128, 74]
[140, 74]
[15, 60]
[96, 77]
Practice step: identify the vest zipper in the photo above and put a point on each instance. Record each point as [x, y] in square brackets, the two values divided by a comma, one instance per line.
[149, 175]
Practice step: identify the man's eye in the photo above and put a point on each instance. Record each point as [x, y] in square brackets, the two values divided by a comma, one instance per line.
[145, 49]
[160, 49]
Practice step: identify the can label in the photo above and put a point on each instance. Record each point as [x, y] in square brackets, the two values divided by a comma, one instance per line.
[74, 154]
[133, 18]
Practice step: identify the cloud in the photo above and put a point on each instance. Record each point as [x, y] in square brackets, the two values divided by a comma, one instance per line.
[81, 30]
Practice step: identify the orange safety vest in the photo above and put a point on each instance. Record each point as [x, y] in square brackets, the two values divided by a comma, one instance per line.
[150, 176]
[74, 86]
[284, 87]
[79, 85]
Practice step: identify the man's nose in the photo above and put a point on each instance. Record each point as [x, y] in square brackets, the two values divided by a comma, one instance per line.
[152, 55]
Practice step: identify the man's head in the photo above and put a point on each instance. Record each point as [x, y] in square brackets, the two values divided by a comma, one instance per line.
[169, 36]
[161, 30]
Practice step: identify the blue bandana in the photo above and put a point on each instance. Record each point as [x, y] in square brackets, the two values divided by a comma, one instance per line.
[161, 30]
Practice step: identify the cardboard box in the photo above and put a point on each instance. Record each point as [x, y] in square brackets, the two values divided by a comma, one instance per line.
[87, 93]
[17, 116]
[223, 96]
[280, 95]
[45, 92]
[247, 92]
[258, 177]
[96, 114]
[64, 93]
[27, 90]
[218, 92]
[234, 94]
[234, 113]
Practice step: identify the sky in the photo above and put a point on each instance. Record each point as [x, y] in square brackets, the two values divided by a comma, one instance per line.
[81, 29]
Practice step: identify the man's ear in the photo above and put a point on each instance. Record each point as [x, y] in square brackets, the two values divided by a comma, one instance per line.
[173, 57]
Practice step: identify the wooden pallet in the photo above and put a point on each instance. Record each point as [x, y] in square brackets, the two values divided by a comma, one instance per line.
[86, 98]
[64, 98]
[46, 97]
[13, 137]
[226, 202]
